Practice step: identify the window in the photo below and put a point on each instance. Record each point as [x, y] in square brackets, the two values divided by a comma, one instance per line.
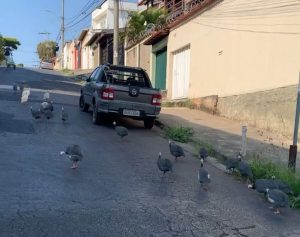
[127, 77]
[94, 74]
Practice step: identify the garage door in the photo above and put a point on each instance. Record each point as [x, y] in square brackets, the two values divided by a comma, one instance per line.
[181, 73]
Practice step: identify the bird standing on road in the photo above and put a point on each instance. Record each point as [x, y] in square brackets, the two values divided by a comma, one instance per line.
[47, 105]
[176, 150]
[232, 163]
[203, 154]
[277, 198]
[121, 131]
[74, 154]
[46, 96]
[163, 164]
[203, 176]
[36, 114]
[246, 171]
[64, 115]
[15, 87]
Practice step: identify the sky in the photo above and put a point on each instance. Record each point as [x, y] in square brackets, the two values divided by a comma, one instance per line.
[25, 19]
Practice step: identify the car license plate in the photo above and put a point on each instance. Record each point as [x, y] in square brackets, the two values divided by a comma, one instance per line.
[128, 112]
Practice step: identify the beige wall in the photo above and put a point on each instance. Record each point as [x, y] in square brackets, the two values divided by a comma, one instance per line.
[235, 50]
[139, 56]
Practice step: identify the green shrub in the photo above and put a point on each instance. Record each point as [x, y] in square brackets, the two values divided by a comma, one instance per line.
[179, 134]
[263, 169]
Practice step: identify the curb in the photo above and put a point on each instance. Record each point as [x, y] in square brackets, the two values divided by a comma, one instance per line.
[190, 149]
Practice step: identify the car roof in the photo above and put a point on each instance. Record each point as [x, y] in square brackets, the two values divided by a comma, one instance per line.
[123, 68]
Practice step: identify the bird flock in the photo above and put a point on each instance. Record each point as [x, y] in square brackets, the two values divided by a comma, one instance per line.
[275, 191]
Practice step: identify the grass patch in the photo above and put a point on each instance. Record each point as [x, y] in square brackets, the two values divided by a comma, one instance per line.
[179, 134]
[67, 72]
[181, 103]
[263, 169]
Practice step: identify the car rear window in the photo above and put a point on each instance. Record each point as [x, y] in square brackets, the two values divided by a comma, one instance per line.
[123, 77]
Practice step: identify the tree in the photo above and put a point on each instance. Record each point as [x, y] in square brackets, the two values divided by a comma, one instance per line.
[1, 49]
[46, 50]
[139, 21]
[11, 42]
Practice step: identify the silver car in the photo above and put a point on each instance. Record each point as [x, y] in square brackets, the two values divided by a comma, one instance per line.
[46, 64]
[121, 91]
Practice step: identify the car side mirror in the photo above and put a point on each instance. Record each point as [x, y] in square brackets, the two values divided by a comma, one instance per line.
[87, 79]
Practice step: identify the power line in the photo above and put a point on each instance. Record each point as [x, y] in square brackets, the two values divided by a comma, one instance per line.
[83, 9]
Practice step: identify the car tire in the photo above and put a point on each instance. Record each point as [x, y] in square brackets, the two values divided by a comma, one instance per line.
[149, 123]
[97, 117]
[82, 105]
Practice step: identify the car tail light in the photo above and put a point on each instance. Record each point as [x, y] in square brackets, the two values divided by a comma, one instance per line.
[108, 94]
[156, 99]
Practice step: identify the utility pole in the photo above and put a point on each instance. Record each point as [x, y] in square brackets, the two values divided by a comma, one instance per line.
[293, 148]
[116, 32]
[62, 34]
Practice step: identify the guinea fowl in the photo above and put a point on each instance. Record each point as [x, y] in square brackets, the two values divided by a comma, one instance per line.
[47, 105]
[163, 164]
[36, 114]
[260, 185]
[233, 163]
[176, 150]
[203, 176]
[64, 115]
[277, 198]
[74, 154]
[121, 131]
[246, 171]
[203, 154]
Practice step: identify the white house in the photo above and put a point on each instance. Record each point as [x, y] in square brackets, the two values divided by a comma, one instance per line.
[103, 18]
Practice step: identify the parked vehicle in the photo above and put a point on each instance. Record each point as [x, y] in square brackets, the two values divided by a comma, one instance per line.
[122, 91]
[46, 64]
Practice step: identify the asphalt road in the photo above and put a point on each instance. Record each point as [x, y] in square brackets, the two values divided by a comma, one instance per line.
[117, 190]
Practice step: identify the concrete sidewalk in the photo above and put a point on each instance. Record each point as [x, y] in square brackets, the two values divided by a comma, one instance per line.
[224, 135]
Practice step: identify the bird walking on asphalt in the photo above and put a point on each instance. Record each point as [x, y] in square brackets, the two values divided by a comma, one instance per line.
[277, 198]
[260, 185]
[203, 176]
[64, 115]
[203, 154]
[46, 96]
[36, 114]
[121, 131]
[176, 150]
[47, 105]
[74, 153]
[164, 164]
[232, 163]
[246, 171]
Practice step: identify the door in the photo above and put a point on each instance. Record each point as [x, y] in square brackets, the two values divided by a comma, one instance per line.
[160, 69]
[89, 86]
[181, 73]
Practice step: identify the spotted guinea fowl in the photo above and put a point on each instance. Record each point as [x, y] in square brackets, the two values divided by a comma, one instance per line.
[121, 131]
[277, 198]
[176, 150]
[203, 154]
[64, 115]
[246, 171]
[36, 114]
[47, 105]
[163, 164]
[260, 185]
[203, 176]
[232, 163]
[74, 153]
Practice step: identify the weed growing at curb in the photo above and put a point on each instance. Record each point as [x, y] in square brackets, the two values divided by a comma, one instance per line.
[178, 133]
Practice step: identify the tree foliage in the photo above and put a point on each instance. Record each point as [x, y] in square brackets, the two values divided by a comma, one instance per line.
[46, 50]
[11, 42]
[1, 49]
[138, 21]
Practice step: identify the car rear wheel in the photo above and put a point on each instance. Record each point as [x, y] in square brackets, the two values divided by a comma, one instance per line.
[82, 105]
[97, 117]
[149, 123]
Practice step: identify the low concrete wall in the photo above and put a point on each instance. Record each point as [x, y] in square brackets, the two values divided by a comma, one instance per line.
[273, 110]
